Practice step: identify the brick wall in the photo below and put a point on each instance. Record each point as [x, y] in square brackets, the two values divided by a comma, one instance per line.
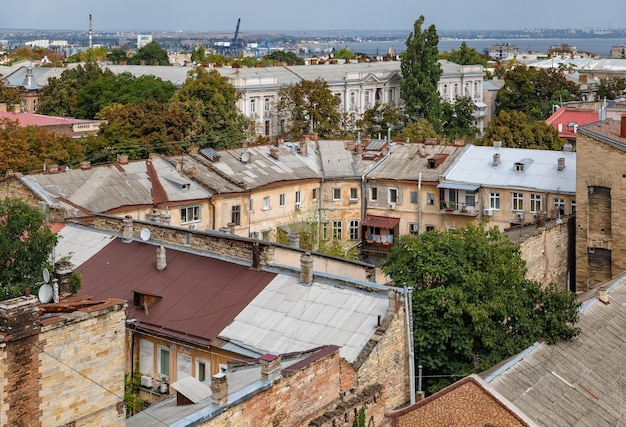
[82, 367]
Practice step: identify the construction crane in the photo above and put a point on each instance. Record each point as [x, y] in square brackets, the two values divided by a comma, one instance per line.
[232, 48]
[235, 42]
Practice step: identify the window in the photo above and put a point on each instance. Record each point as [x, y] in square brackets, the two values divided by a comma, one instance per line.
[456, 89]
[354, 194]
[445, 89]
[352, 99]
[413, 229]
[265, 234]
[336, 193]
[470, 200]
[494, 200]
[430, 228]
[536, 202]
[573, 205]
[164, 360]
[517, 202]
[298, 199]
[314, 196]
[267, 127]
[413, 196]
[393, 195]
[266, 104]
[235, 216]
[202, 370]
[519, 167]
[266, 203]
[282, 200]
[367, 97]
[324, 231]
[189, 214]
[282, 125]
[373, 193]
[253, 105]
[354, 229]
[251, 205]
[390, 95]
[337, 229]
[559, 204]
[430, 198]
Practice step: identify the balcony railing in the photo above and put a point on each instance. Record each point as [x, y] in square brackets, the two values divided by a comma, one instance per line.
[458, 208]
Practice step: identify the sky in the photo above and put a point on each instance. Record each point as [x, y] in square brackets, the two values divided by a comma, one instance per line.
[302, 15]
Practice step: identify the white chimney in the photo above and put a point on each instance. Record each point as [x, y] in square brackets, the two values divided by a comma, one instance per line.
[161, 258]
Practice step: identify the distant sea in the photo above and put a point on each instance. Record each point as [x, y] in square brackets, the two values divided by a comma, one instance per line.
[600, 46]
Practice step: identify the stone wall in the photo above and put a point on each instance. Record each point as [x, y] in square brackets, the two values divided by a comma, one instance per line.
[82, 367]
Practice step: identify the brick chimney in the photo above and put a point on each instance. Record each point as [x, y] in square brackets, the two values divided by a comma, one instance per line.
[161, 258]
[85, 165]
[219, 389]
[303, 146]
[270, 367]
[274, 152]
[622, 132]
[127, 232]
[122, 159]
[306, 268]
[293, 240]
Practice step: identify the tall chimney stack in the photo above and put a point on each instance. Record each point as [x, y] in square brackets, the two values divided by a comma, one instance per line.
[90, 33]
[219, 389]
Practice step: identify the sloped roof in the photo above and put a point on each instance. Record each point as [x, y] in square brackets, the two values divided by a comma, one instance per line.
[578, 382]
[540, 172]
[568, 119]
[290, 316]
[581, 64]
[607, 131]
[29, 119]
[198, 295]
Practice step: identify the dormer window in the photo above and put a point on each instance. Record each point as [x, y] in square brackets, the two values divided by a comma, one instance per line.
[519, 167]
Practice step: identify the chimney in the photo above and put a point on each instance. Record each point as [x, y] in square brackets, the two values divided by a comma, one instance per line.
[568, 148]
[603, 295]
[62, 272]
[3, 107]
[53, 168]
[350, 145]
[127, 233]
[85, 165]
[219, 389]
[166, 217]
[270, 367]
[582, 79]
[122, 159]
[179, 167]
[293, 240]
[622, 132]
[256, 256]
[303, 146]
[161, 259]
[496, 159]
[193, 150]
[17, 108]
[560, 164]
[274, 152]
[306, 268]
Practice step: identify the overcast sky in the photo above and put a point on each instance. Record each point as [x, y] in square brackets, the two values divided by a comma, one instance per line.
[301, 15]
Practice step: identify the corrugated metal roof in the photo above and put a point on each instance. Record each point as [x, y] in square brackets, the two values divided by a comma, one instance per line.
[573, 383]
[380, 221]
[475, 166]
[192, 389]
[304, 316]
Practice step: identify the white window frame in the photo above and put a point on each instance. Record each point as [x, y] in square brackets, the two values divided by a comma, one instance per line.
[572, 206]
[266, 203]
[517, 201]
[494, 200]
[536, 202]
[160, 349]
[337, 229]
[282, 200]
[373, 193]
[314, 194]
[193, 210]
[337, 193]
[559, 202]
[253, 105]
[354, 229]
[430, 199]
[354, 193]
[266, 104]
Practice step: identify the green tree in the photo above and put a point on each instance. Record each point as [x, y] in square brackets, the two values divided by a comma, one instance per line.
[282, 56]
[514, 130]
[9, 95]
[420, 75]
[378, 118]
[310, 106]
[132, 401]
[211, 100]
[26, 243]
[465, 55]
[344, 53]
[472, 305]
[611, 88]
[419, 130]
[458, 118]
[198, 54]
[151, 54]
[89, 55]
[117, 56]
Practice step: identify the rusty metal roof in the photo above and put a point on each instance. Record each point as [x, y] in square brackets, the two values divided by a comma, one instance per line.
[199, 295]
[380, 221]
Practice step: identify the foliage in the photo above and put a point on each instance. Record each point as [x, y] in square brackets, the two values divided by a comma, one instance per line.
[282, 56]
[310, 106]
[9, 95]
[344, 53]
[534, 91]
[472, 305]
[132, 382]
[122, 89]
[216, 58]
[76, 279]
[60, 96]
[360, 419]
[248, 61]
[211, 101]
[150, 54]
[198, 54]
[419, 130]
[27, 149]
[465, 55]
[514, 130]
[458, 118]
[379, 118]
[420, 75]
[611, 88]
[89, 55]
[25, 246]
[117, 56]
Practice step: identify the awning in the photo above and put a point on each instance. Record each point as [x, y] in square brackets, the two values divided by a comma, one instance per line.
[380, 221]
[459, 186]
[480, 105]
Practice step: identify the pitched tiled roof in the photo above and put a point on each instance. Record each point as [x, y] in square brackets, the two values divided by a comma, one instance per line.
[568, 121]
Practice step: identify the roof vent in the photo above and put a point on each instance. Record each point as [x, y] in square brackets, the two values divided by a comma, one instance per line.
[497, 144]
[210, 154]
[496, 159]
[560, 164]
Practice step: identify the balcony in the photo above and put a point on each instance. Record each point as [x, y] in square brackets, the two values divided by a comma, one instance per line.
[457, 208]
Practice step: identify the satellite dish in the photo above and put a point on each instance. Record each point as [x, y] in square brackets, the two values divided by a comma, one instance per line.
[245, 157]
[145, 234]
[46, 275]
[45, 293]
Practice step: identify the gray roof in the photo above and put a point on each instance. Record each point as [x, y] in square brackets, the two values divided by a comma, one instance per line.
[79, 243]
[289, 316]
[475, 166]
[407, 160]
[337, 162]
[581, 64]
[574, 383]
[107, 187]
[15, 76]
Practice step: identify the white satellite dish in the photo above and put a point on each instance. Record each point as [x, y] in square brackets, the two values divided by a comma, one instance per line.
[245, 157]
[145, 234]
[45, 293]
[46, 275]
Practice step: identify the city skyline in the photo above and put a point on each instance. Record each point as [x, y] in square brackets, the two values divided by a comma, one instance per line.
[281, 15]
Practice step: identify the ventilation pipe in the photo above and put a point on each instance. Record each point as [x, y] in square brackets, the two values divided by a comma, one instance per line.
[306, 268]
[560, 164]
[496, 159]
[389, 140]
[293, 240]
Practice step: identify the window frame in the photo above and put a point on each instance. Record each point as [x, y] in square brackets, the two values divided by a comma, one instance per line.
[207, 369]
[393, 195]
[353, 228]
[517, 201]
[235, 214]
[354, 193]
[165, 349]
[336, 193]
[282, 200]
[374, 193]
[536, 200]
[266, 203]
[195, 214]
[337, 229]
[494, 200]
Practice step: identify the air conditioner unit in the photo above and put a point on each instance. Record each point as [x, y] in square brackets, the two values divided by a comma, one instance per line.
[392, 205]
[146, 381]
[487, 212]
[193, 227]
[520, 215]
[162, 377]
[298, 205]
[163, 388]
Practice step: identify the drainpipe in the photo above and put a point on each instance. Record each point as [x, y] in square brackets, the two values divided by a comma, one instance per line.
[419, 204]
[389, 140]
[409, 332]
[212, 213]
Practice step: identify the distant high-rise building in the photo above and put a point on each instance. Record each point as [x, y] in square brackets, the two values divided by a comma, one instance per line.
[143, 39]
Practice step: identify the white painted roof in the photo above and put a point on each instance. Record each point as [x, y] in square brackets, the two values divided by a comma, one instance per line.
[288, 316]
[79, 243]
[475, 166]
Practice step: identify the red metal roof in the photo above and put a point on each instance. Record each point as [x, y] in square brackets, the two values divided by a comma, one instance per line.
[568, 118]
[29, 119]
[199, 296]
[380, 221]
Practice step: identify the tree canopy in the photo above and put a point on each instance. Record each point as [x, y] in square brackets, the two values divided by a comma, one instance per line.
[310, 105]
[472, 305]
[151, 54]
[514, 130]
[420, 75]
[282, 56]
[26, 243]
[378, 118]
[458, 118]
[611, 88]
[465, 55]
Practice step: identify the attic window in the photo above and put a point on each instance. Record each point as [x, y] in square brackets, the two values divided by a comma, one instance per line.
[185, 186]
[432, 163]
[144, 301]
[519, 167]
